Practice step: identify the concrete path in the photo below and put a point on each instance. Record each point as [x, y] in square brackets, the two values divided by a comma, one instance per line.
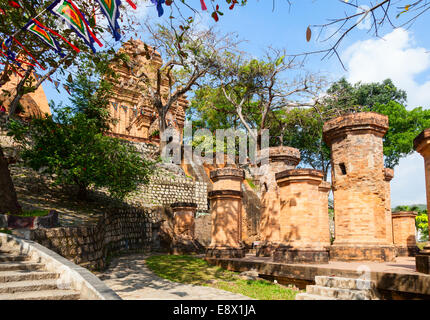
[129, 277]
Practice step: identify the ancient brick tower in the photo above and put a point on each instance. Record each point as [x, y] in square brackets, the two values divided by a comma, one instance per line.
[359, 188]
[137, 119]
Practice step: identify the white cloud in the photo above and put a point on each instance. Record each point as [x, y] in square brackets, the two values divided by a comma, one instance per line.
[395, 56]
[408, 186]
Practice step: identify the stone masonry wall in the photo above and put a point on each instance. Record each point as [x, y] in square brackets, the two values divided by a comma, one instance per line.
[91, 246]
[167, 188]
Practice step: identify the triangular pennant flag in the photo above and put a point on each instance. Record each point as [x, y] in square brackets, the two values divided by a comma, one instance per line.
[159, 6]
[36, 76]
[44, 35]
[110, 9]
[67, 88]
[66, 10]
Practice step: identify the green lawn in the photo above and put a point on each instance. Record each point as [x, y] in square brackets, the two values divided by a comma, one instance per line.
[32, 213]
[192, 270]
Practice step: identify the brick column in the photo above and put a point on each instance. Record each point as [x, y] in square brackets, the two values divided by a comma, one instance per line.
[304, 217]
[359, 187]
[280, 159]
[404, 233]
[184, 241]
[422, 145]
[388, 175]
[226, 210]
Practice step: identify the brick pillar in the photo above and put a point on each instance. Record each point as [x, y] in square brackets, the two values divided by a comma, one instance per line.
[280, 159]
[183, 217]
[304, 217]
[226, 210]
[359, 187]
[422, 145]
[404, 233]
[388, 175]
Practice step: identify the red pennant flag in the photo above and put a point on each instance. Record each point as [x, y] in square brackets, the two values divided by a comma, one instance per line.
[202, 2]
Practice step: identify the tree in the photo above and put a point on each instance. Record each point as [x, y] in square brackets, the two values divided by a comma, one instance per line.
[188, 59]
[377, 14]
[34, 54]
[256, 92]
[386, 99]
[72, 147]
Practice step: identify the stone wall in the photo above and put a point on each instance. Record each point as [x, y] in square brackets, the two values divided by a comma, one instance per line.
[121, 230]
[203, 229]
[167, 188]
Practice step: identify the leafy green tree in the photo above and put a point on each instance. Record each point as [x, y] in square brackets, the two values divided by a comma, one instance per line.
[382, 98]
[71, 147]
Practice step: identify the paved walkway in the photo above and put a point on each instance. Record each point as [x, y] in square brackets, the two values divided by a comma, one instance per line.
[129, 277]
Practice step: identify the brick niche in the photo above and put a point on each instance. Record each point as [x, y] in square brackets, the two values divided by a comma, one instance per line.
[422, 145]
[359, 187]
[304, 220]
[280, 159]
[226, 210]
[404, 233]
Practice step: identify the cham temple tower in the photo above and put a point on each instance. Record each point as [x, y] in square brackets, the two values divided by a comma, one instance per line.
[137, 118]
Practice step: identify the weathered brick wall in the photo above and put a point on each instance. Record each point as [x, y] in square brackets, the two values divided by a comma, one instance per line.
[203, 229]
[118, 231]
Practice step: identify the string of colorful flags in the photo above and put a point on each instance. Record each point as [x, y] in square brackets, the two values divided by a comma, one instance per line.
[68, 12]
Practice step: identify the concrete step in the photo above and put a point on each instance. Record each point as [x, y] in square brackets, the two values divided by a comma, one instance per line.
[340, 294]
[29, 266]
[307, 296]
[29, 285]
[13, 276]
[42, 295]
[12, 257]
[344, 283]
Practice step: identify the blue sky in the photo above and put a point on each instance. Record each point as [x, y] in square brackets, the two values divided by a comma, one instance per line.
[402, 55]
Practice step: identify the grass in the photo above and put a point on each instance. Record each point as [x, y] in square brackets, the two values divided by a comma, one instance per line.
[7, 231]
[192, 270]
[32, 213]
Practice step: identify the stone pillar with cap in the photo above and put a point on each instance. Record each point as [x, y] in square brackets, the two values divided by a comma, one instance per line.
[183, 215]
[226, 210]
[422, 145]
[359, 187]
[404, 233]
[279, 159]
[184, 241]
[388, 175]
[304, 219]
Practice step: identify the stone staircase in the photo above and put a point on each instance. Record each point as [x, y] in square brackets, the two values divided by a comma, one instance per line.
[24, 279]
[337, 288]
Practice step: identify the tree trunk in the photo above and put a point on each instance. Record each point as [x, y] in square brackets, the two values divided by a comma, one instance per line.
[82, 193]
[8, 200]
[162, 126]
[19, 92]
